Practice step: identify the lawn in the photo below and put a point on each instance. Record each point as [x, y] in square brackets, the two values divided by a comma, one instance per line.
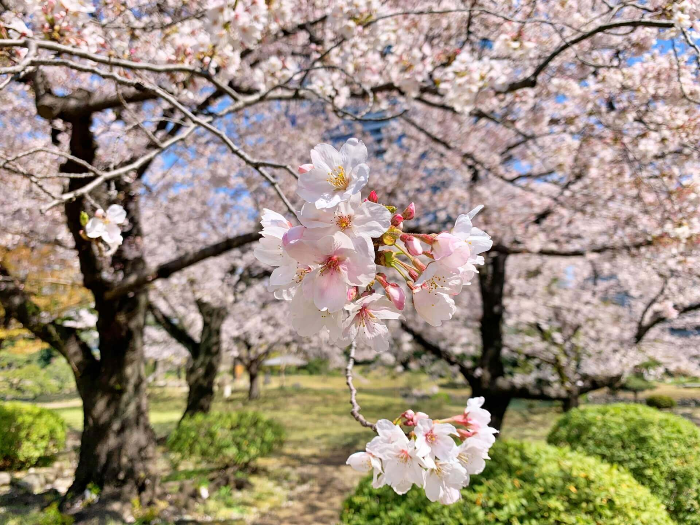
[307, 479]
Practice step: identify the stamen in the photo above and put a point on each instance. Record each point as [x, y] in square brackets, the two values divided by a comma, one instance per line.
[338, 179]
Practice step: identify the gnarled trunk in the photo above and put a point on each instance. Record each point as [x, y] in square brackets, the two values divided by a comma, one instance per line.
[571, 402]
[206, 359]
[118, 445]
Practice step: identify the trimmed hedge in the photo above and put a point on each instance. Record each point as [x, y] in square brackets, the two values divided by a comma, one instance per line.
[28, 435]
[660, 401]
[524, 484]
[225, 439]
[661, 450]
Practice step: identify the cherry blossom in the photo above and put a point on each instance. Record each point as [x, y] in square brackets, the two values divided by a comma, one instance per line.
[336, 175]
[437, 437]
[106, 225]
[364, 321]
[444, 482]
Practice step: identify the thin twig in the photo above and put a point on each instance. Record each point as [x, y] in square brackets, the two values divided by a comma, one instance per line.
[353, 391]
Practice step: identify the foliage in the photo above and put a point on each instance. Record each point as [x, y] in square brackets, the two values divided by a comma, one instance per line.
[662, 451]
[29, 434]
[660, 401]
[318, 366]
[28, 376]
[524, 484]
[225, 439]
[636, 383]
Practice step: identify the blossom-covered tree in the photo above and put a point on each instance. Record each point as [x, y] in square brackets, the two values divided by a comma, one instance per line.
[574, 123]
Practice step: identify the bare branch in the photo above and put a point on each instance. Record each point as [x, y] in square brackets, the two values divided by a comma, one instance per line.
[138, 280]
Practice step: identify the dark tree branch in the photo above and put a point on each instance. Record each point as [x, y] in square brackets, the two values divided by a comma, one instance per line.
[438, 351]
[531, 80]
[175, 330]
[138, 280]
[18, 305]
[515, 250]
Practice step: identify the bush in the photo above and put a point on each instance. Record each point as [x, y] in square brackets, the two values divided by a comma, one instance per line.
[30, 376]
[224, 439]
[660, 401]
[524, 484]
[28, 435]
[661, 450]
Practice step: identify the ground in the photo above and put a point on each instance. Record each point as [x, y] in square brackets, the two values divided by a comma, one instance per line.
[306, 480]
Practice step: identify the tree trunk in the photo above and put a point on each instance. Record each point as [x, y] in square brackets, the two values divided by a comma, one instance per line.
[496, 404]
[491, 283]
[571, 402]
[254, 382]
[118, 445]
[206, 359]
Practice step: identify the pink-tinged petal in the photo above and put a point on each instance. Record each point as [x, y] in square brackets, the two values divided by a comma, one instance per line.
[330, 290]
[116, 214]
[396, 295]
[293, 234]
[476, 210]
[273, 223]
[305, 168]
[444, 245]
[457, 258]
[479, 241]
[314, 185]
[333, 244]
[360, 268]
[304, 252]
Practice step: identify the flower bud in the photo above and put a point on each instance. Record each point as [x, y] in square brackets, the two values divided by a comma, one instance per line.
[373, 197]
[305, 168]
[353, 292]
[413, 245]
[396, 295]
[100, 213]
[292, 234]
[410, 212]
[413, 275]
[396, 219]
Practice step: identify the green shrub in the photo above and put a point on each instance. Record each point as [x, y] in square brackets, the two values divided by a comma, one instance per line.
[660, 401]
[28, 434]
[224, 439]
[524, 484]
[30, 376]
[442, 397]
[661, 450]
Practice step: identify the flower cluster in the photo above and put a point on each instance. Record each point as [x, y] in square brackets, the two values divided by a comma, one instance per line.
[328, 265]
[429, 455]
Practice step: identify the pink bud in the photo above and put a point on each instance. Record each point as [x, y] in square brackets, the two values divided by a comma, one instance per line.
[413, 245]
[464, 434]
[427, 239]
[100, 213]
[305, 168]
[411, 419]
[413, 275]
[353, 292]
[292, 234]
[409, 212]
[396, 295]
[373, 197]
[396, 219]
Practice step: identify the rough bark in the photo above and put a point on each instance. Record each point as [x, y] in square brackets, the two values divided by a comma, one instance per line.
[201, 374]
[118, 445]
[205, 354]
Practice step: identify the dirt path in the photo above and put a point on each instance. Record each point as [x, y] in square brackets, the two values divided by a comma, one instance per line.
[317, 499]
